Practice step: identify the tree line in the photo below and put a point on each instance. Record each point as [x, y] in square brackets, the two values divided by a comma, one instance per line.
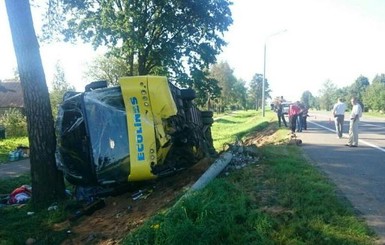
[370, 94]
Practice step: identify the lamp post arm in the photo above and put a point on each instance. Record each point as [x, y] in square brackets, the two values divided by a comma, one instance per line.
[275, 34]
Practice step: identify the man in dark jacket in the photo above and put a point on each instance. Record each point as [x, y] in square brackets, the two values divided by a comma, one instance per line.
[280, 115]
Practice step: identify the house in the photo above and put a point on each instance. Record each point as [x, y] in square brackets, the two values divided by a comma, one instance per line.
[11, 96]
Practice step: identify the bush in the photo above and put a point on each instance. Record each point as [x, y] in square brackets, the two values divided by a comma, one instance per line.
[15, 123]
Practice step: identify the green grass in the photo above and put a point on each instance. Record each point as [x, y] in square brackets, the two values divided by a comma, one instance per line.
[314, 214]
[282, 199]
[7, 185]
[220, 214]
[10, 144]
[232, 127]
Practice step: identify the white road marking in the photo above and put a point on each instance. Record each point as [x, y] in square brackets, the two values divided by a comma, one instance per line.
[360, 140]
[321, 126]
[372, 125]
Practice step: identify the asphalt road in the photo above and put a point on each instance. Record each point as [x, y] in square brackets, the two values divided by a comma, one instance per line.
[14, 169]
[358, 172]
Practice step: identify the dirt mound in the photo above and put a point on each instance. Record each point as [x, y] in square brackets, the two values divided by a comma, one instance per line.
[123, 214]
[260, 138]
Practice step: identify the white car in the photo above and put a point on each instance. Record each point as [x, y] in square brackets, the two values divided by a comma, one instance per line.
[285, 107]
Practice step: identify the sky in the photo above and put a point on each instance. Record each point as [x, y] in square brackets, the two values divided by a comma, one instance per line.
[336, 40]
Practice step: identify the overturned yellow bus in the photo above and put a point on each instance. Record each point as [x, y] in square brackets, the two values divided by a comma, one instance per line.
[143, 129]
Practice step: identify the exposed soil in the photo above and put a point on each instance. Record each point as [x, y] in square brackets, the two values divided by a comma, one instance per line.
[122, 214]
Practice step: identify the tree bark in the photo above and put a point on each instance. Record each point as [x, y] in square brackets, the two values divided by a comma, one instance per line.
[47, 181]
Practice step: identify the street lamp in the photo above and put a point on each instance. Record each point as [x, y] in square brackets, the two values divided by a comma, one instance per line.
[264, 70]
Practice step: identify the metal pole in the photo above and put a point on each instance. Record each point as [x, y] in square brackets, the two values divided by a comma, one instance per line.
[263, 81]
[264, 71]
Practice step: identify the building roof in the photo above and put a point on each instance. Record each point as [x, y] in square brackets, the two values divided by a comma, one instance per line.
[11, 94]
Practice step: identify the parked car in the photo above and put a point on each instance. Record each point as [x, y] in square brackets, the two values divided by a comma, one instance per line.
[285, 107]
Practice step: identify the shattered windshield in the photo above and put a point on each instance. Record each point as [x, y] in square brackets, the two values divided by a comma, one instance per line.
[107, 126]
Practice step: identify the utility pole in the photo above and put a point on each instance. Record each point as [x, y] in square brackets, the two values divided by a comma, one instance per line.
[264, 70]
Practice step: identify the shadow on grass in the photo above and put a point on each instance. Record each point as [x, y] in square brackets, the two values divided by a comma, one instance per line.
[241, 115]
[3, 158]
[225, 121]
[8, 185]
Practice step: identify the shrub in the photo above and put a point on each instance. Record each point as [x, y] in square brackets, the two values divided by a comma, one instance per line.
[15, 123]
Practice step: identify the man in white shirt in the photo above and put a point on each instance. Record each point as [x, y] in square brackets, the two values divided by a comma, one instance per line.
[339, 109]
[354, 120]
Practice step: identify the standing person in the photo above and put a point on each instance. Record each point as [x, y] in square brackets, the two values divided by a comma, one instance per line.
[293, 114]
[338, 111]
[280, 115]
[354, 120]
[305, 114]
[299, 117]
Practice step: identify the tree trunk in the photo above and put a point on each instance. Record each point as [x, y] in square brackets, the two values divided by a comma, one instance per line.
[257, 105]
[47, 181]
[131, 64]
[209, 106]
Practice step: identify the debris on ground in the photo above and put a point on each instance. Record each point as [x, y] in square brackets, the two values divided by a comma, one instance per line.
[19, 195]
[87, 209]
[242, 156]
[294, 140]
[19, 153]
[30, 241]
[142, 194]
[53, 207]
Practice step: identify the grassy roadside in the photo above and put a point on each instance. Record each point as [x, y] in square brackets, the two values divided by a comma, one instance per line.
[282, 199]
[234, 126]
